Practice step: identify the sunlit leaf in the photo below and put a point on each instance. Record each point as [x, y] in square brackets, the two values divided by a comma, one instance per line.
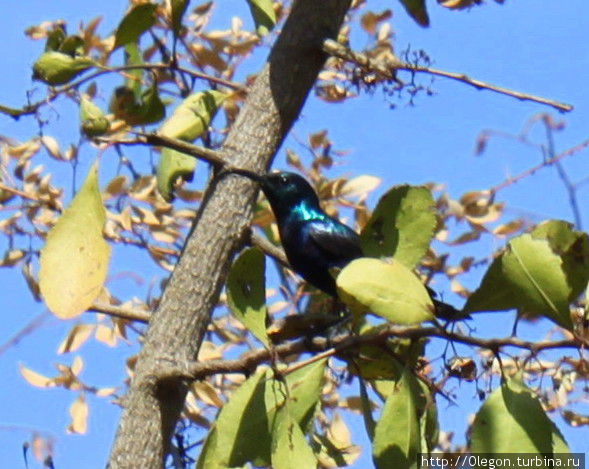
[244, 415]
[57, 68]
[359, 186]
[36, 379]
[246, 292]
[79, 415]
[93, 121]
[188, 121]
[536, 276]
[402, 225]
[74, 260]
[76, 338]
[389, 290]
[458, 4]
[137, 20]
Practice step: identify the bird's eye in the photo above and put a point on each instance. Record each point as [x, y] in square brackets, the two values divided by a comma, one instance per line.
[283, 178]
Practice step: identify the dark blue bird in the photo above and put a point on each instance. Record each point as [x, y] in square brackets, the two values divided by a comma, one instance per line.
[313, 241]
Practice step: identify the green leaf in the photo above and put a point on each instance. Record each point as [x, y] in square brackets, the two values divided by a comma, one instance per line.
[573, 247]
[178, 10]
[150, 110]
[133, 57]
[428, 417]
[54, 39]
[246, 292]
[389, 290]
[57, 68]
[304, 389]
[74, 260]
[137, 20]
[92, 120]
[402, 225]
[512, 421]
[367, 416]
[527, 276]
[417, 10]
[290, 449]
[72, 45]
[188, 121]
[242, 426]
[172, 165]
[193, 116]
[375, 362]
[208, 458]
[263, 14]
[396, 436]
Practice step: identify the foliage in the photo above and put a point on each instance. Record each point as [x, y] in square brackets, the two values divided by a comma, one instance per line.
[294, 411]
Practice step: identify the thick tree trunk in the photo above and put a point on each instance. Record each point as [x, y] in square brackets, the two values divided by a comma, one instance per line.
[152, 408]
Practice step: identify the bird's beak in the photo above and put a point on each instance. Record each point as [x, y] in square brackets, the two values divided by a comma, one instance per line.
[244, 172]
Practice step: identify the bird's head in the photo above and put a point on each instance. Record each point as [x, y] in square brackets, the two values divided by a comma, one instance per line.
[284, 190]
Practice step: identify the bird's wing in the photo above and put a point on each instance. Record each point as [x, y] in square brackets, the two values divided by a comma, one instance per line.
[337, 241]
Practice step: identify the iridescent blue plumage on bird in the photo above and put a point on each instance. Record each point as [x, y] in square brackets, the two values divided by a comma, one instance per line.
[313, 241]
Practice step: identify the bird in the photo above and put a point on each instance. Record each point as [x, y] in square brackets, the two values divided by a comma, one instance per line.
[313, 241]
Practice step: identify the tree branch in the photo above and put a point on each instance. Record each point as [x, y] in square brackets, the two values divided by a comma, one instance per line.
[176, 329]
[248, 362]
[55, 92]
[120, 312]
[213, 157]
[386, 70]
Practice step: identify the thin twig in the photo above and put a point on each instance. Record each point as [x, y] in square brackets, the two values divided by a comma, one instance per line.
[530, 171]
[387, 70]
[29, 328]
[120, 312]
[55, 92]
[250, 360]
[24, 195]
[213, 157]
[276, 252]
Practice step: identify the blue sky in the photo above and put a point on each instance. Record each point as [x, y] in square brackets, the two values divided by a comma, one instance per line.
[537, 46]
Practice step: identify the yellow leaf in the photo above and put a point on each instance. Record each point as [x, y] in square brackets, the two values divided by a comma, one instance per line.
[457, 4]
[76, 337]
[389, 290]
[106, 392]
[77, 366]
[79, 415]
[106, 335]
[36, 379]
[359, 186]
[74, 260]
[207, 393]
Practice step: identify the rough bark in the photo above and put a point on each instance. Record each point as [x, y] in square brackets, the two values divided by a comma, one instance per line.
[152, 408]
